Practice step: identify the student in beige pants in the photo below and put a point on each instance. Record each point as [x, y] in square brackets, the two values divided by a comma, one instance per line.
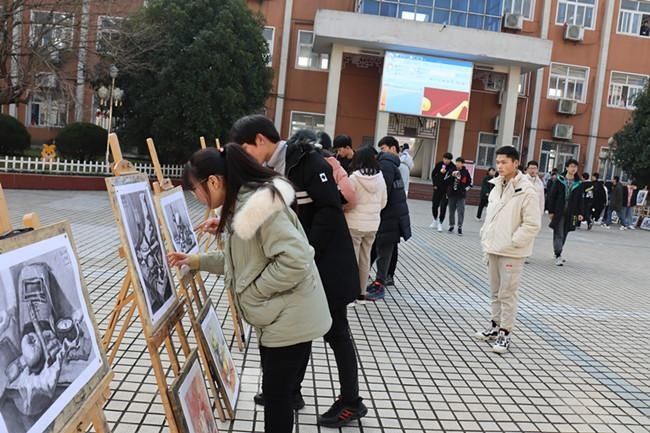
[512, 222]
[363, 219]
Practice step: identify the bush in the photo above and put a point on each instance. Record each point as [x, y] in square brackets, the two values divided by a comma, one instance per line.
[82, 141]
[14, 138]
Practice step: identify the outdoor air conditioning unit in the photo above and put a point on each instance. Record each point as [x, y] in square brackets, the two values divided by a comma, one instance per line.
[497, 123]
[574, 32]
[513, 21]
[563, 131]
[567, 106]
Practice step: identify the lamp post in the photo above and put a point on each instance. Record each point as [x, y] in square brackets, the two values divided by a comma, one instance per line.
[114, 96]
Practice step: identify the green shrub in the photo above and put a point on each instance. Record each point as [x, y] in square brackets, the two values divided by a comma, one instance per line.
[14, 138]
[82, 141]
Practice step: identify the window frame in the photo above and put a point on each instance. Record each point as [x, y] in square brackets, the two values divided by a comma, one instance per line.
[532, 10]
[541, 151]
[583, 100]
[594, 15]
[70, 29]
[100, 31]
[291, 114]
[479, 144]
[636, 34]
[609, 88]
[320, 56]
[271, 44]
[45, 101]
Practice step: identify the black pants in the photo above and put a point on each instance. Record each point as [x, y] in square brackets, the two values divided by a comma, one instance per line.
[598, 211]
[481, 206]
[282, 371]
[393, 261]
[439, 202]
[560, 234]
[589, 210]
[340, 340]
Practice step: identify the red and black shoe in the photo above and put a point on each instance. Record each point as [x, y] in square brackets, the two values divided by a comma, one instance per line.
[341, 414]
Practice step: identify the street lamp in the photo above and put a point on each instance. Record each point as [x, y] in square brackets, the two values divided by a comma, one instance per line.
[114, 95]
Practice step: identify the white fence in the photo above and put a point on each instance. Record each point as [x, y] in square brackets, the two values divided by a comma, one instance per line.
[23, 164]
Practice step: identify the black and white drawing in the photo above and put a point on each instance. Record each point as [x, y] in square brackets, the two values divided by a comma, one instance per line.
[147, 249]
[642, 197]
[48, 345]
[179, 224]
[645, 224]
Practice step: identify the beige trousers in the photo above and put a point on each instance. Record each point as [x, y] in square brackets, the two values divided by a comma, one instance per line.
[362, 242]
[504, 274]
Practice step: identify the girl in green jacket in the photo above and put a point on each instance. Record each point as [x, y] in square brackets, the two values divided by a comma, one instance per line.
[268, 265]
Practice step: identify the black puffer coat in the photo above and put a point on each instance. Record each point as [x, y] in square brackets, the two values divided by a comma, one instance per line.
[321, 215]
[571, 203]
[395, 220]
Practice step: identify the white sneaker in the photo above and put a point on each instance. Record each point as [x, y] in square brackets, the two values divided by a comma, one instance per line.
[434, 224]
[477, 219]
[631, 227]
[622, 228]
[502, 344]
[490, 333]
[439, 226]
[559, 261]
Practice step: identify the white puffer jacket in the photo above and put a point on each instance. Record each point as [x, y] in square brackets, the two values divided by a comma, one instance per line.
[371, 199]
[513, 218]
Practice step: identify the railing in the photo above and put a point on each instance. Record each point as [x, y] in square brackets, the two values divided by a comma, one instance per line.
[22, 164]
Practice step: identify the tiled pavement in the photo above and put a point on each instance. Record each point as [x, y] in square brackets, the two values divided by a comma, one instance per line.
[580, 359]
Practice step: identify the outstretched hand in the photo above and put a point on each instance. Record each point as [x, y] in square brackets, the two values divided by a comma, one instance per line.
[210, 225]
[178, 259]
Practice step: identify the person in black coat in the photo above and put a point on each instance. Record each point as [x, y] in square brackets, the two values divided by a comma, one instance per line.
[588, 188]
[321, 215]
[439, 176]
[395, 221]
[600, 196]
[566, 206]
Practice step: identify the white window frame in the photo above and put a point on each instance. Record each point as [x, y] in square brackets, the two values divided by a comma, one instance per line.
[271, 44]
[513, 11]
[609, 91]
[33, 25]
[524, 83]
[45, 102]
[293, 112]
[479, 164]
[541, 151]
[607, 169]
[101, 31]
[576, 4]
[637, 31]
[583, 100]
[320, 56]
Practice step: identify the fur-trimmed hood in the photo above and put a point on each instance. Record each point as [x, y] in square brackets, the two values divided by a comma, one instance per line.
[255, 207]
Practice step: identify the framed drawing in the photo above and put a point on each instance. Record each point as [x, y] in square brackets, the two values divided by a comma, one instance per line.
[177, 221]
[190, 399]
[220, 360]
[642, 197]
[645, 224]
[140, 230]
[51, 359]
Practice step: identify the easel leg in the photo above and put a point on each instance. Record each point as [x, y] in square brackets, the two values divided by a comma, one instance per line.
[183, 337]
[161, 380]
[239, 331]
[115, 314]
[125, 326]
[99, 421]
[173, 359]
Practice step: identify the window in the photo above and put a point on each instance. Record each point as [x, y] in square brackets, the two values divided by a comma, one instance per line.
[487, 146]
[313, 121]
[45, 111]
[521, 7]
[624, 89]
[523, 84]
[607, 169]
[108, 31]
[51, 31]
[478, 14]
[555, 155]
[581, 12]
[634, 18]
[568, 82]
[269, 36]
[305, 57]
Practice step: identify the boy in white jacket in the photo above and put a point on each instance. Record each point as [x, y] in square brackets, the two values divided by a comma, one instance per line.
[363, 219]
[512, 222]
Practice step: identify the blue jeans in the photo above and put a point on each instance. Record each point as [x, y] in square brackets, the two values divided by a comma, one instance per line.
[627, 216]
[619, 213]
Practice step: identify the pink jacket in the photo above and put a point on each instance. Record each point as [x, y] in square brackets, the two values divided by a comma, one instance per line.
[343, 182]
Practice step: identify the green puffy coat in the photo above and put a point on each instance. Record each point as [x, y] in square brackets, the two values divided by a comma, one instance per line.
[269, 267]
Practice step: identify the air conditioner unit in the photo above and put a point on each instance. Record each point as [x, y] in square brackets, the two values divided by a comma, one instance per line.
[574, 32]
[497, 123]
[513, 21]
[563, 131]
[567, 106]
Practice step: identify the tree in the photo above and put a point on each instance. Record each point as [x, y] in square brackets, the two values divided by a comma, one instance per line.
[208, 67]
[82, 141]
[632, 150]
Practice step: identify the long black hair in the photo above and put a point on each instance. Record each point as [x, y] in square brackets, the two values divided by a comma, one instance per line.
[365, 160]
[235, 166]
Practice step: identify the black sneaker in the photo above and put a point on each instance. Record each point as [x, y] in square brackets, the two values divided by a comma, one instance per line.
[490, 333]
[451, 229]
[390, 281]
[341, 414]
[460, 231]
[298, 402]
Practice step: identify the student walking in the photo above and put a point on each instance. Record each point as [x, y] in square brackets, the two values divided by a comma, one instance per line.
[405, 167]
[616, 202]
[268, 265]
[565, 207]
[439, 176]
[363, 220]
[507, 236]
[321, 215]
[457, 185]
[486, 187]
[600, 197]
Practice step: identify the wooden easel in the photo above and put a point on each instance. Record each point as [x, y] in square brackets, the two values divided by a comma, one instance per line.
[193, 279]
[91, 412]
[131, 296]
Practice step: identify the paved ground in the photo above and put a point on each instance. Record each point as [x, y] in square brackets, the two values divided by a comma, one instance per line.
[580, 359]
